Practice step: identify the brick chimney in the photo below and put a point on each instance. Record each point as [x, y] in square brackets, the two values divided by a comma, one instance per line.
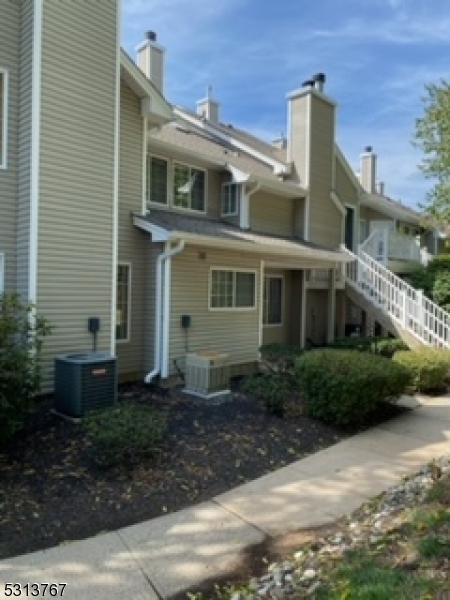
[150, 59]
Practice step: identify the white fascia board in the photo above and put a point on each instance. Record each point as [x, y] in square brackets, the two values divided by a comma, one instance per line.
[278, 167]
[238, 175]
[159, 234]
[337, 202]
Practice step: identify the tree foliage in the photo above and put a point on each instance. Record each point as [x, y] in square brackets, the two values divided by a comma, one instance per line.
[432, 136]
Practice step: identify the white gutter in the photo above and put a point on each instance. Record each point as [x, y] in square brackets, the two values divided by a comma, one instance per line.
[162, 312]
[244, 220]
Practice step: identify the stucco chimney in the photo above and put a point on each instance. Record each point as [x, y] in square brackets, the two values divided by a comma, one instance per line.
[209, 108]
[150, 59]
[368, 170]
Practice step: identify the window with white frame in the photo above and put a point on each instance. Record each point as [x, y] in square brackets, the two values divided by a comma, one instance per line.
[3, 116]
[123, 307]
[189, 187]
[231, 195]
[273, 300]
[230, 289]
[157, 179]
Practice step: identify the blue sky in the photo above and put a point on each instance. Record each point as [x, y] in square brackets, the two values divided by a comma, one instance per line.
[377, 56]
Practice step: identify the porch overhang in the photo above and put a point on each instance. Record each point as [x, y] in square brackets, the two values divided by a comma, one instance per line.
[294, 252]
[390, 208]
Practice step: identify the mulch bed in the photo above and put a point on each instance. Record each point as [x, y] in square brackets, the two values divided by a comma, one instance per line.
[52, 490]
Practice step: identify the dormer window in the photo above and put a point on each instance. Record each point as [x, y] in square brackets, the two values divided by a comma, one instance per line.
[189, 187]
[231, 195]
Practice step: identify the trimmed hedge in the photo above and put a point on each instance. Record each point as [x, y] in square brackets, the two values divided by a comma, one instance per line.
[272, 388]
[377, 345]
[346, 387]
[428, 367]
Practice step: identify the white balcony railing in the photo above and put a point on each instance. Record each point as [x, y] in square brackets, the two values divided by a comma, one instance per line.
[383, 245]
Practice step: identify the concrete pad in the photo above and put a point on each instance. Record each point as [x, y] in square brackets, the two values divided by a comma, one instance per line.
[99, 568]
[181, 549]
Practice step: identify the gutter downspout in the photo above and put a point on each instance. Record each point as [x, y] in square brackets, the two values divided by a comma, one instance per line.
[162, 308]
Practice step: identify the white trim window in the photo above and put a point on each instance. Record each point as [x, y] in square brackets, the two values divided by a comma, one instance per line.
[3, 117]
[230, 289]
[273, 300]
[2, 273]
[231, 196]
[189, 187]
[157, 180]
[123, 302]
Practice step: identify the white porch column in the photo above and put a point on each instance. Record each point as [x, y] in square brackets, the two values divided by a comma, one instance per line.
[331, 305]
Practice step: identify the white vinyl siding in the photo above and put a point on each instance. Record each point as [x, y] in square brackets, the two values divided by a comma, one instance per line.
[230, 289]
[273, 300]
[123, 312]
[157, 180]
[231, 195]
[189, 187]
[3, 117]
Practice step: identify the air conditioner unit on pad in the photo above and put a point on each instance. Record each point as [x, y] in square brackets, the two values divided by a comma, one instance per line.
[207, 374]
[84, 382]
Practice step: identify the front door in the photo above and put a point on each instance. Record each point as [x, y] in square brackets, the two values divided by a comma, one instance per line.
[349, 228]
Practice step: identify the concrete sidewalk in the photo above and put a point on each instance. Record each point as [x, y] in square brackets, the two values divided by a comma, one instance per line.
[158, 558]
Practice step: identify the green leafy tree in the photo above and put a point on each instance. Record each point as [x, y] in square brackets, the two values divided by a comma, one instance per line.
[21, 336]
[432, 136]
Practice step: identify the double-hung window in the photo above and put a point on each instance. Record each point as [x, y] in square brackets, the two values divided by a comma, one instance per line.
[189, 187]
[123, 305]
[231, 194]
[273, 300]
[157, 174]
[3, 117]
[230, 289]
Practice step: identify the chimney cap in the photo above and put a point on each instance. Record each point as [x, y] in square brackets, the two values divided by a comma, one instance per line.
[319, 77]
[151, 36]
[368, 149]
[308, 83]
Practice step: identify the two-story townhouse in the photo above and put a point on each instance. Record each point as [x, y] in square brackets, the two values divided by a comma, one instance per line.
[179, 233]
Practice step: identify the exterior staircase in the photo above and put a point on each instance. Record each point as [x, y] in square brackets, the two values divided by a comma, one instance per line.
[398, 307]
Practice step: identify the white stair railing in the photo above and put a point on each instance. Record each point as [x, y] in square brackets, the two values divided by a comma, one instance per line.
[375, 246]
[415, 313]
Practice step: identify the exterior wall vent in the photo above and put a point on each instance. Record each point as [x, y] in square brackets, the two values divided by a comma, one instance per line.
[84, 382]
[207, 374]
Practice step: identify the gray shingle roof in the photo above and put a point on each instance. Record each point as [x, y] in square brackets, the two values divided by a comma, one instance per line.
[171, 221]
[187, 136]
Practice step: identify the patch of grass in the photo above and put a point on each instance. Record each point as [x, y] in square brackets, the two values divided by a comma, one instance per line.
[440, 492]
[434, 547]
[362, 576]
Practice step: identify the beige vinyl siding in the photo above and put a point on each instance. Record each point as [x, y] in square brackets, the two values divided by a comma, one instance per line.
[214, 191]
[75, 261]
[9, 60]
[299, 139]
[152, 251]
[280, 334]
[325, 219]
[235, 332]
[271, 215]
[299, 217]
[132, 241]
[345, 188]
[24, 145]
[373, 215]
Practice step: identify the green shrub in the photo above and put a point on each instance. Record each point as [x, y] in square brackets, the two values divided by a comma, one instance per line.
[428, 367]
[273, 389]
[21, 336]
[360, 343]
[281, 357]
[388, 346]
[125, 434]
[346, 387]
